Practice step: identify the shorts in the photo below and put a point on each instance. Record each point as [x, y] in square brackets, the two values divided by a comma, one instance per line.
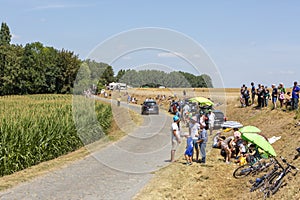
[189, 151]
[175, 144]
[274, 99]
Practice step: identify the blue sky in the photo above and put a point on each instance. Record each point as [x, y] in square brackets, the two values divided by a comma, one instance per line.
[247, 40]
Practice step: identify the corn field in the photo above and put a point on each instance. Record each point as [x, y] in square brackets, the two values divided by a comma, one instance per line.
[37, 128]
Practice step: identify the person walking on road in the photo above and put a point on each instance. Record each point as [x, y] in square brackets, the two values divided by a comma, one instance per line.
[175, 136]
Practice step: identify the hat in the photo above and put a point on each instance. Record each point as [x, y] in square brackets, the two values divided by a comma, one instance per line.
[175, 118]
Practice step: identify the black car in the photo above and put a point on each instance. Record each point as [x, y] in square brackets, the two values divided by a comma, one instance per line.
[150, 107]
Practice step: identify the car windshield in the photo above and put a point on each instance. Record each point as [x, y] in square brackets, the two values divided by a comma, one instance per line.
[152, 103]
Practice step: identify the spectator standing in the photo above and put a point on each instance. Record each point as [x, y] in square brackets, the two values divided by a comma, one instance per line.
[258, 96]
[202, 139]
[128, 99]
[281, 91]
[202, 119]
[262, 96]
[295, 96]
[194, 128]
[253, 92]
[274, 96]
[211, 121]
[246, 96]
[175, 137]
[185, 112]
[267, 96]
[242, 96]
[189, 149]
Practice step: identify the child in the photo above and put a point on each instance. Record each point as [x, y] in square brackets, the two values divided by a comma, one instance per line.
[189, 149]
[253, 154]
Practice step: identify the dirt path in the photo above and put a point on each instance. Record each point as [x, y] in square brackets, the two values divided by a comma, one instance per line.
[117, 171]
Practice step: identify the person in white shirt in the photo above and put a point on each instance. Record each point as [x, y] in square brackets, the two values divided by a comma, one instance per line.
[185, 113]
[175, 136]
[194, 128]
[211, 121]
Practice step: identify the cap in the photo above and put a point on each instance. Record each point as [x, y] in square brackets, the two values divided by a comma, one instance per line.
[175, 118]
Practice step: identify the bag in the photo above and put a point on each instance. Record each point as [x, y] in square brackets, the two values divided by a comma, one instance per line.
[223, 153]
[243, 160]
[281, 97]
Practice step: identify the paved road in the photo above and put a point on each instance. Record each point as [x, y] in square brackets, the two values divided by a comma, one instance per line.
[117, 171]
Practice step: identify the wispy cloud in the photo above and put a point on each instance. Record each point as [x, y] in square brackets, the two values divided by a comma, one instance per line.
[169, 54]
[58, 6]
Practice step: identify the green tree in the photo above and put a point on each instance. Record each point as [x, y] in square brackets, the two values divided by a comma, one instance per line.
[108, 75]
[120, 75]
[5, 35]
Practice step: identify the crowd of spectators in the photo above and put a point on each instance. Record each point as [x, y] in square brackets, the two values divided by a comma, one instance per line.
[234, 148]
[278, 95]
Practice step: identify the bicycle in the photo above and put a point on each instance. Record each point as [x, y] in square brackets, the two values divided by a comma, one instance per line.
[251, 168]
[261, 181]
[277, 178]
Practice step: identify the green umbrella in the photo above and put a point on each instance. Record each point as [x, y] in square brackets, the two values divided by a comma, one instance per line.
[250, 129]
[202, 101]
[259, 141]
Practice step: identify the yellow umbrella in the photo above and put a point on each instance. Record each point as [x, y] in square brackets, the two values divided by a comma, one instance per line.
[202, 101]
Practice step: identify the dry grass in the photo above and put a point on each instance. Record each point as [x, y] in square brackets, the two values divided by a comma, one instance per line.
[214, 180]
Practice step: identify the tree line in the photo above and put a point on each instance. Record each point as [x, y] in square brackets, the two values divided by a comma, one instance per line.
[38, 69]
[156, 78]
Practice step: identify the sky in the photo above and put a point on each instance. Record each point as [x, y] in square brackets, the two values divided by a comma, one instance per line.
[243, 41]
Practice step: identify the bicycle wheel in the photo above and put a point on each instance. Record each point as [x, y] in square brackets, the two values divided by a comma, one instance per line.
[242, 171]
[272, 185]
[276, 185]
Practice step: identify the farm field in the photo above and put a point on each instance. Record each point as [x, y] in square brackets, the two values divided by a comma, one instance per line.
[37, 128]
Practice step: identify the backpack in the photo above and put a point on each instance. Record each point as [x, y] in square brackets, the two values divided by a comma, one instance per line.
[281, 96]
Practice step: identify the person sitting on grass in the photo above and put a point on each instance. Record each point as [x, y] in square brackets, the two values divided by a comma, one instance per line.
[253, 154]
[189, 149]
[243, 148]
